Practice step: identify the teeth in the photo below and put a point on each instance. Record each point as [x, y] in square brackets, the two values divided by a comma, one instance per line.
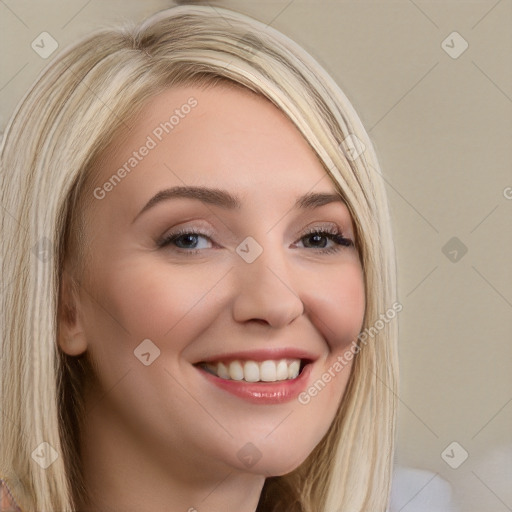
[282, 370]
[222, 371]
[268, 371]
[293, 369]
[236, 371]
[252, 371]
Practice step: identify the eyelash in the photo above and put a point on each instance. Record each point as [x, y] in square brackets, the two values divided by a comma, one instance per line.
[331, 233]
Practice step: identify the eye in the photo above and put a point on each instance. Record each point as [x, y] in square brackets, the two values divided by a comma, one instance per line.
[186, 240]
[325, 239]
[318, 238]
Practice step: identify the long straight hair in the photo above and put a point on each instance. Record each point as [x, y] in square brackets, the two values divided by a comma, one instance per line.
[69, 116]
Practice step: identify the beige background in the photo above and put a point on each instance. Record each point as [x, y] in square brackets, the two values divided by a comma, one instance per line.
[442, 127]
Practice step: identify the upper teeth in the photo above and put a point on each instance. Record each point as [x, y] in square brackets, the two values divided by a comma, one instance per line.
[252, 371]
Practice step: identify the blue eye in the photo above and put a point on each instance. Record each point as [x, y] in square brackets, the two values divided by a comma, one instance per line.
[188, 240]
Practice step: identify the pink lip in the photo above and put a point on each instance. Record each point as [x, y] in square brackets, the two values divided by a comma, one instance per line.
[262, 392]
[262, 355]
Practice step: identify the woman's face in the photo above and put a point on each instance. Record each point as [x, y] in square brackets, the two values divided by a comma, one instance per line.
[259, 278]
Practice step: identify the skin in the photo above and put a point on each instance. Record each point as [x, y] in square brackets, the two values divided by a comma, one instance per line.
[161, 437]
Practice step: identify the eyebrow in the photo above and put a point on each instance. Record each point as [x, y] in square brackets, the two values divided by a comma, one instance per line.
[226, 200]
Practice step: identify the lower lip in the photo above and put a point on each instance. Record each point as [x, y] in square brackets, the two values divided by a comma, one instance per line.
[263, 392]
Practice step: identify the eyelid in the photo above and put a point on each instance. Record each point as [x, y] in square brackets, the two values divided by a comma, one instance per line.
[329, 227]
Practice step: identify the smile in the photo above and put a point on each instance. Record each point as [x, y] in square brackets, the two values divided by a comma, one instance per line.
[270, 376]
[256, 371]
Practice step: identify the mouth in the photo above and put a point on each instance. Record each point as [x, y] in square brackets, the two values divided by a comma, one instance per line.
[263, 377]
[251, 371]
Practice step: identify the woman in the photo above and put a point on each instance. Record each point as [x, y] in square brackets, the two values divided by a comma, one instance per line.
[198, 279]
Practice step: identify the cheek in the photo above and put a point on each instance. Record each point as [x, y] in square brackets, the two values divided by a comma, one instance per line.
[139, 300]
[336, 302]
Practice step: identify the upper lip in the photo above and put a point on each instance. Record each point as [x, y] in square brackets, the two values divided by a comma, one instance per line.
[262, 355]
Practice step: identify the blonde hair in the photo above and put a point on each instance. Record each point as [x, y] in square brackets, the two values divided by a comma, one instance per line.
[62, 124]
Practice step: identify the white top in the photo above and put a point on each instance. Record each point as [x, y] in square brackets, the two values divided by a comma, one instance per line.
[418, 490]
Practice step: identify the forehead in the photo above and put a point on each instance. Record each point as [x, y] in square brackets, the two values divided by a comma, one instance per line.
[218, 136]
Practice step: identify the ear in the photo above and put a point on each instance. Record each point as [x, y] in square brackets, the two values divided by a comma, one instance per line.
[71, 336]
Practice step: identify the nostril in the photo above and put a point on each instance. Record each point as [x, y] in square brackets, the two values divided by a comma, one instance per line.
[260, 321]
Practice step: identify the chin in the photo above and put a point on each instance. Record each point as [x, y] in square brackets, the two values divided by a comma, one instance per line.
[269, 463]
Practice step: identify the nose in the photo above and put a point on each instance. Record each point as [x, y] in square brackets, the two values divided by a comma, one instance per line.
[264, 290]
